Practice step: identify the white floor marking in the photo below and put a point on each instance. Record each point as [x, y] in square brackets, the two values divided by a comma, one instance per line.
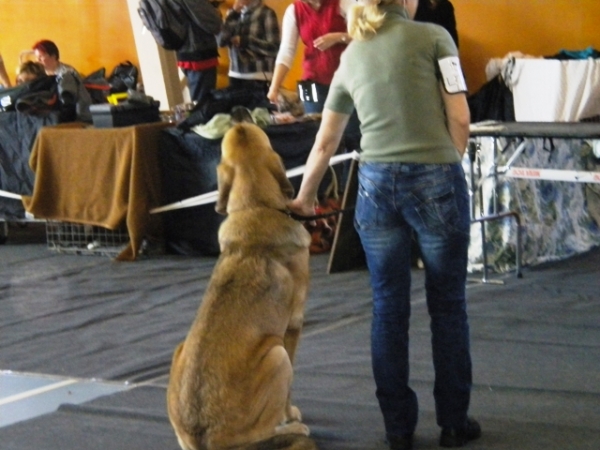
[38, 391]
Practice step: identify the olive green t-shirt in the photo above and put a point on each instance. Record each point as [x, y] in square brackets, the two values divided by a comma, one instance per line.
[393, 80]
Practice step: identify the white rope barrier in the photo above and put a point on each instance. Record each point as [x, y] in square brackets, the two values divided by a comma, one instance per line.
[576, 176]
[530, 173]
[10, 195]
[211, 197]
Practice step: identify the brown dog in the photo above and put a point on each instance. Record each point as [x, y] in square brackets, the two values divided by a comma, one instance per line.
[230, 379]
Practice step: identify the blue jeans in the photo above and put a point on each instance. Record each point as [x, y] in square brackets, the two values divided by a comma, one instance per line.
[432, 200]
[201, 82]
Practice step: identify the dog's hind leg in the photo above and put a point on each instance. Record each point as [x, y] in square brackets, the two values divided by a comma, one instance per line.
[269, 413]
[298, 266]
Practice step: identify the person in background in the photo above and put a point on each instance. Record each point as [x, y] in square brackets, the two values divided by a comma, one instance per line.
[251, 31]
[199, 57]
[440, 12]
[29, 71]
[405, 81]
[321, 25]
[70, 82]
[4, 78]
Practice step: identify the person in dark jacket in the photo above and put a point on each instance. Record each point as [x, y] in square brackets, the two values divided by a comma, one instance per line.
[440, 12]
[198, 58]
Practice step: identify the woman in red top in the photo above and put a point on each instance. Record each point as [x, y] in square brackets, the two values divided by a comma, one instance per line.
[321, 25]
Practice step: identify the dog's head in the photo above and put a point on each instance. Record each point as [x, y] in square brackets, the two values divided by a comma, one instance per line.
[243, 141]
[251, 173]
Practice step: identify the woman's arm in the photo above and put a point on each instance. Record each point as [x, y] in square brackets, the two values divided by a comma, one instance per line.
[330, 39]
[326, 143]
[458, 118]
[279, 75]
[287, 52]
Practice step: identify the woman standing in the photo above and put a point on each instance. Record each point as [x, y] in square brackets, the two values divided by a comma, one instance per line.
[405, 81]
[321, 25]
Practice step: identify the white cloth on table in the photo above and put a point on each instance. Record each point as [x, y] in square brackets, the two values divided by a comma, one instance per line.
[551, 90]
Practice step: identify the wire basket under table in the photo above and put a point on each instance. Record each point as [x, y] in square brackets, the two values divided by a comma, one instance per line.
[80, 239]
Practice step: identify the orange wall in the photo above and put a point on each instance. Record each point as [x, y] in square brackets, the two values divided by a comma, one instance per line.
[90, 34]
[97, 33]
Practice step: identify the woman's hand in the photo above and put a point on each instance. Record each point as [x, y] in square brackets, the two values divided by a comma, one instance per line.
[273, 95]
[301, 208]
[329, 40]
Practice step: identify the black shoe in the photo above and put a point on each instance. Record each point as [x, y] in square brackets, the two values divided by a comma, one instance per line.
[400, 442]
[457, 437]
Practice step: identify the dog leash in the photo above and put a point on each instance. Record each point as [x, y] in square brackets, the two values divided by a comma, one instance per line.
[302, 218]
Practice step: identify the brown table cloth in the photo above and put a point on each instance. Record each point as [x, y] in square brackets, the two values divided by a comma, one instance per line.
[99, 176]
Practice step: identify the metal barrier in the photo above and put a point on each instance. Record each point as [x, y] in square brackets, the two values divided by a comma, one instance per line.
[473, 149]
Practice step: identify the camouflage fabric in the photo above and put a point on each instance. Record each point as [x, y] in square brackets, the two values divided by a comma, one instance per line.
[556, 219]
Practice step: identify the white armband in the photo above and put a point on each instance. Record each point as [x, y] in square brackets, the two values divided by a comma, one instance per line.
[452, 75]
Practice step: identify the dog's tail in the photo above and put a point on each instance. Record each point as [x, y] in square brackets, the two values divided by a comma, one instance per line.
[283, 442]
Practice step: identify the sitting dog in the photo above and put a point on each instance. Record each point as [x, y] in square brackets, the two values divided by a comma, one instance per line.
[230, 379]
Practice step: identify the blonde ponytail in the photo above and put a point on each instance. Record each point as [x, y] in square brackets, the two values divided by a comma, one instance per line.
[365, 18]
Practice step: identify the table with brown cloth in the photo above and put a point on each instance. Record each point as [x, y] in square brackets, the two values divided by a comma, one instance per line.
[108, 177]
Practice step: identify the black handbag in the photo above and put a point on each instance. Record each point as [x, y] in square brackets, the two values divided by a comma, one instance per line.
[97, 86]
[123, 77]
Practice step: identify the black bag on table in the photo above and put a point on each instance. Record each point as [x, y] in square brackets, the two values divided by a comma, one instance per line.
[493, 101]
[44, 87]
[97, 86]
[123, 77]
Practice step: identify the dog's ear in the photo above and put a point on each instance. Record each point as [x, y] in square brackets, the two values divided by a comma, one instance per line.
[278, 170]
[224, 180]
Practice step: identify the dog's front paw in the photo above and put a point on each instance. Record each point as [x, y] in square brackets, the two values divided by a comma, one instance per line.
[292, 428]
[294, 414]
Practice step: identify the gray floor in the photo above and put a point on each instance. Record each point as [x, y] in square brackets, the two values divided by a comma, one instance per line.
[85, 345]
